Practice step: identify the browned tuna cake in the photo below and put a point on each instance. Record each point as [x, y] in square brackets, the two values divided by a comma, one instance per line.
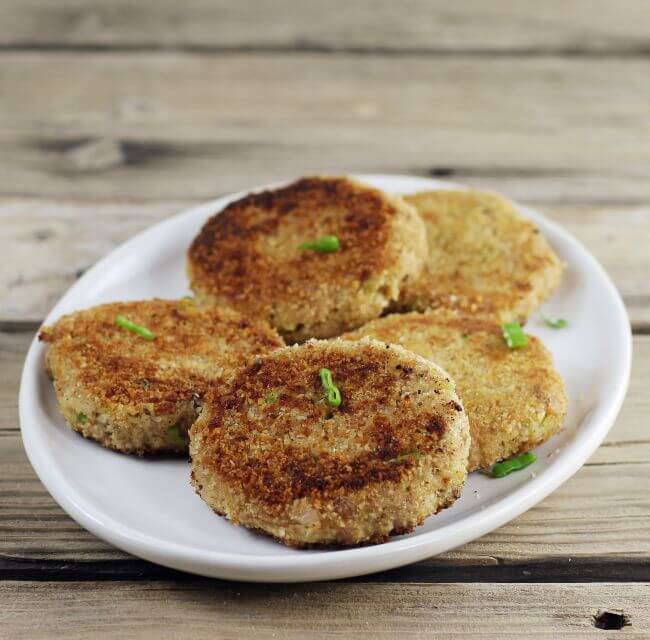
[483, 258]
[276, 454]
[515, 399]
[255, 255]
[138, 393]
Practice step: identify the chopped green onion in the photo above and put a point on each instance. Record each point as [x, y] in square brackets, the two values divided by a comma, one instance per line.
[326, 244]
[514, 335]
[506, 467]
[174, 436]
[272, 397]
[411, 454]
[143, 332]
[560, 323]
[331, 390]
[82, 418]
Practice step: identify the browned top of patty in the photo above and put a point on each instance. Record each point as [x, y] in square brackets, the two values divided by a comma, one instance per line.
[514, 398]
[484, 257]
[191, 347]
[275, 436]
[248, 255]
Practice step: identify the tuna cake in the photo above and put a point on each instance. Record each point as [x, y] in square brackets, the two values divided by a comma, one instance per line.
[332, 443]
[483, 258]
[514, 398]
[315, 258]
[135, 387]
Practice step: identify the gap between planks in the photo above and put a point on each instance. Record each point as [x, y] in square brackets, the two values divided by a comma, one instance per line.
[308, 48]
[554, 570]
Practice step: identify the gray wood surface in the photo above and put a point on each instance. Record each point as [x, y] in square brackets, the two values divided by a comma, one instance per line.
[187, 125]
[508, 26]
[115, 114]
[163, 609]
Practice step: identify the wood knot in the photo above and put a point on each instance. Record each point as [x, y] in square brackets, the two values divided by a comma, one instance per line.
[611, 619]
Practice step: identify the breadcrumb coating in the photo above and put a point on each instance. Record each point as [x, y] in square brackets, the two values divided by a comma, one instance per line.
[483, 258]
[515, 399]
[127, 392]
[273, 455]
[248, 256]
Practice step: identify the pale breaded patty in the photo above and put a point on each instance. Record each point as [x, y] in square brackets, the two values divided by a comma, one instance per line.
[249, 256]
[483, 258]
[272, 454]
[140, 396]
[514, 398]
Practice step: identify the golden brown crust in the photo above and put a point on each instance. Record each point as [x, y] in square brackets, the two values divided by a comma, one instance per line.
[248, 255]
[378, 538]
[119, 381]
[484, 258]
[273, 455]
[514, 398]
[286, 472]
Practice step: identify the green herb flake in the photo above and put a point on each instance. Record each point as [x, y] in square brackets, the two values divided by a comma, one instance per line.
[411, 454]
[332, 392]
[175, 437]
[272, 397]
[82, 418]
[560, 323]
[143, 332]
[502, 469]
[514, 335]
[326, 244]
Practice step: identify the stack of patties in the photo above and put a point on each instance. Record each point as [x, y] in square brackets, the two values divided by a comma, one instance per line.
[278, 452]
[342, 441]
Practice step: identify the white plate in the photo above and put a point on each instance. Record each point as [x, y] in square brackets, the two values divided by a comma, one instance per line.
[148, 507]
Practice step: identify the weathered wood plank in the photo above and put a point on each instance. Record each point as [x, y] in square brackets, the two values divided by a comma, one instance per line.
[50, 243]
[212, 609]
[601, 515]
[170, 125]
[437, 26]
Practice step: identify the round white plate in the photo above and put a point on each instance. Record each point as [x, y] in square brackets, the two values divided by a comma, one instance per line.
[147, 507]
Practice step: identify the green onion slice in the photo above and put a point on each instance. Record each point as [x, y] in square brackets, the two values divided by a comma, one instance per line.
[332, 392]
[143, 332]
[272, 397]
[411, 454]
[514, 335]
[326, 244]
[506, 467]
[82, 418]
[560, 323]
[174, 436]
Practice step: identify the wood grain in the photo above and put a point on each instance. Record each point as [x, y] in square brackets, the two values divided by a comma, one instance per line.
[507, 26]
[49, 244]
[597, 525]
[187, 126]
[328, 610]
[116, 114]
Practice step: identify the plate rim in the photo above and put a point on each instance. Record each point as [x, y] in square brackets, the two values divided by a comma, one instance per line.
[341, 562]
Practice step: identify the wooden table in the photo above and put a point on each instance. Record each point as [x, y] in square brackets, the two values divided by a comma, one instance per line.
[116, 113]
